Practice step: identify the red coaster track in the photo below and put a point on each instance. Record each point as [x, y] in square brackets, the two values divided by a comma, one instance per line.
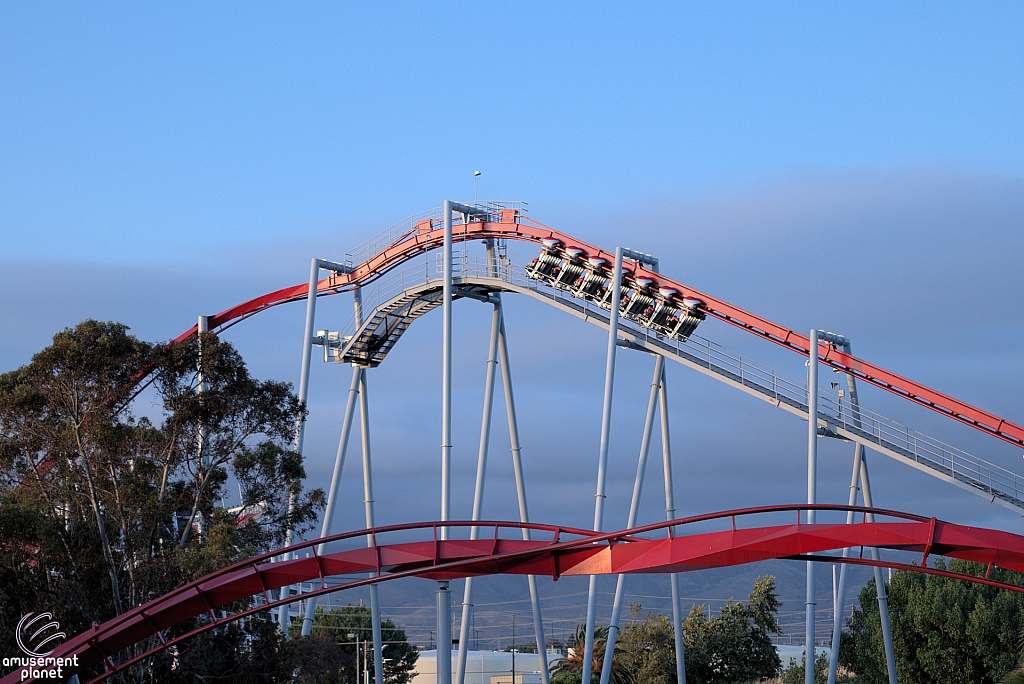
[509, 224]
[586, 553]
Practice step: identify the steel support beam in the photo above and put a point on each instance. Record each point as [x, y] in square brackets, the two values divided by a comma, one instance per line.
[517, 465]
[670, 514]
[446, 370]
[364, 424]
[444, 633]
[300, 427]
[860, 471]
[812, 485]
[602, 463]
[840, 593]
[883, 600]
[478, 492]
[634, 507]
[444, 597]
[339, 465]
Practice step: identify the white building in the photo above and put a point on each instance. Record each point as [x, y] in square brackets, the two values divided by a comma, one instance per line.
[485, 667]
[495, 667]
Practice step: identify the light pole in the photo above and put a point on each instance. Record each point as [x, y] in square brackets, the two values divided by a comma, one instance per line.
[475, 175]
[355, 635]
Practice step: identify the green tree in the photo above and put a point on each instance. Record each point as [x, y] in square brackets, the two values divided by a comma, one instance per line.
[102, 511]
[736, 644]
[945, 630]
[795, 673]
[400, 656]
[648, 647]
[568, 670]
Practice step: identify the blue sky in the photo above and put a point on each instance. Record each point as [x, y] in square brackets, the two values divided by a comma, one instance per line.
[155, 131]
[857, 168]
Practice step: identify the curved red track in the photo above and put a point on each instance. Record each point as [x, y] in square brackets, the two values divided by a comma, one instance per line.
[587, 553]
[509, 224]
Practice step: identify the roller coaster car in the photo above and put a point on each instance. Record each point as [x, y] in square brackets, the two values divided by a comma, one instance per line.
[572, 268]
[673, 318]
[636, 298]
[593, 284]
[546, 267]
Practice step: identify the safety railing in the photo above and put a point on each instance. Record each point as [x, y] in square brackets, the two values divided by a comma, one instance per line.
[400, 231]
[836, 411]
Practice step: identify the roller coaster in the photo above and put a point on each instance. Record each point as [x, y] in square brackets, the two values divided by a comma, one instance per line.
[411, 269]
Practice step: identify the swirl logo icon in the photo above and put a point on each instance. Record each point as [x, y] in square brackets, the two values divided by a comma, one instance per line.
[47, 633]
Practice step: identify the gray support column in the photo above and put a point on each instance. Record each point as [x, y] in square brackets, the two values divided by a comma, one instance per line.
[364, 424]
[860, 469]
[446, 371]
[444, 597]
[812, 468]
[339, 465]
[517, 465]
[840, 601]
[670, 514]
[300, 427]
[883, 600]
[634, 507]
[602, 463]
[444, 633]
[478, 492]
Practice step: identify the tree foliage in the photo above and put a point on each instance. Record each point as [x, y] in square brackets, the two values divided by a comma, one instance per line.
[736, 644]
[102, 510]
[333, 648]
[568, 670]
[733, 646]
[945, 630]
[796, 673]
[649, 648]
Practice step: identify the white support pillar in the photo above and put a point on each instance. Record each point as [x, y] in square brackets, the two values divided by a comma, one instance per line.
[339, 464]
[602, 463]
[634, 507]
[444, 597]
[860, 471]
[300, 427]
[364, 420]
[517, 465]
[444, 633]
[812, 468]
[446, 371]
[670, 514]
[478, 492]
[840, 595]
[883, 600]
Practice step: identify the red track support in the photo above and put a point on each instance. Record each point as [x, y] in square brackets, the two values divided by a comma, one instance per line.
[626, 551]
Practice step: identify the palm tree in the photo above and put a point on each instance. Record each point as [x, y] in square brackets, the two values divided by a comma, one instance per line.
[570, 667]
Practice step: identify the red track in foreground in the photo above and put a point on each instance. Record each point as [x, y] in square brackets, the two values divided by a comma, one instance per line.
[509, 224]
[585, 553]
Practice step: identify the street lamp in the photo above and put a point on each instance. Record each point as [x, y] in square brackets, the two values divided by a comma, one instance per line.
[475, 174]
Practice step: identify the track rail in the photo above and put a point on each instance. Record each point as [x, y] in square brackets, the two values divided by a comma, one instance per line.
[587, 553]
[421, 234]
